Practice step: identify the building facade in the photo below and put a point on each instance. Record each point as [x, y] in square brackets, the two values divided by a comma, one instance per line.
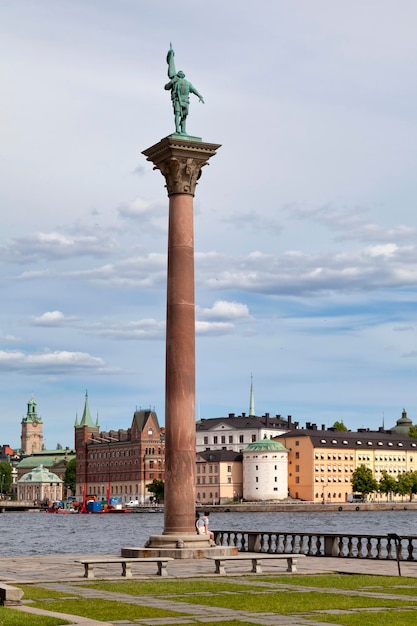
[218, 476]
[237, 432]
[39, 486]
[119, 462]
[265, 471]
[321, 462]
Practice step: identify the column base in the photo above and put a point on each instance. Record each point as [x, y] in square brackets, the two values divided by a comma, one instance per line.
[181, 546]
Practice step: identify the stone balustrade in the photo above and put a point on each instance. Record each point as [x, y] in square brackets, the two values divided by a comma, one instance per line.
[347, 545]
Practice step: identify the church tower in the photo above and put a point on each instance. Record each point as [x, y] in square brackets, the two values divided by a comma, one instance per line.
[31, 439]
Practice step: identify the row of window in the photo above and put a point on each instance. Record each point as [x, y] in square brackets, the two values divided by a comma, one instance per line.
[335, 457]
[230, 439]
[106, 454]
[330, 468]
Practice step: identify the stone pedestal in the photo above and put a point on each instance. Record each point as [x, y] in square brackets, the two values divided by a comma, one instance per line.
[180, 161]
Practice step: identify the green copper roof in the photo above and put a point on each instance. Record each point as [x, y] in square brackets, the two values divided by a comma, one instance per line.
[265, 444]
[86, 418]
[46, 457]
[40, 475]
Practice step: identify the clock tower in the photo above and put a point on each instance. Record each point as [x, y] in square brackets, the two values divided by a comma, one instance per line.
[32, 430]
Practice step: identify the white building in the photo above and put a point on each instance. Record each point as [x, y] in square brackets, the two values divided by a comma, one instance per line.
[39, 485]
[237, 432]
[265, 471]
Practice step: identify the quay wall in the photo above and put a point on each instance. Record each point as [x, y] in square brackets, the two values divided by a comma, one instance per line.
[307, 507]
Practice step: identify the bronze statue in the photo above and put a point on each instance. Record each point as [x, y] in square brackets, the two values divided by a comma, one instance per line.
[180, 92]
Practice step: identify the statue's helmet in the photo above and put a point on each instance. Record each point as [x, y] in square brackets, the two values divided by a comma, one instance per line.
[180, 74]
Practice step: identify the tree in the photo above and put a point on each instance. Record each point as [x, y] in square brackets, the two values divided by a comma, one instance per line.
[387, 484]
[407, 484]
[339, 426]
[70, 475]
[157, 488]
[413, 431]
[5, 477]
[363, 481]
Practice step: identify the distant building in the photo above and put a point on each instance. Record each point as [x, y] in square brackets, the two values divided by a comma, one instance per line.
[321, 462]
[40, 486]
[403, 425]
[237, 432]
[218, 476]
[55, 461]
[265, 471]
[31, 433]
[124, 461]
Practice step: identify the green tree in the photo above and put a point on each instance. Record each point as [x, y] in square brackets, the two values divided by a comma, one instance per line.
[157, 488]
[387, 484]
[5, 477]
[363, 481]
[340, 426]
[70, 475]
[413, 431]
[407, 484]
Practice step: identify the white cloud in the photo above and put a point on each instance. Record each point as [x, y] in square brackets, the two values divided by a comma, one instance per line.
[141, 329]
[51, 362]
[52, 318]
[223, 310]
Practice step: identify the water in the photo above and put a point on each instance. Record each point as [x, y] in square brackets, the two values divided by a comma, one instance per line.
[41, 533]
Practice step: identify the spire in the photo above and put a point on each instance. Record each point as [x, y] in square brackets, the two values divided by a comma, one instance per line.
[86, 418]
[97, 422]
[76, 421]
[252, 398]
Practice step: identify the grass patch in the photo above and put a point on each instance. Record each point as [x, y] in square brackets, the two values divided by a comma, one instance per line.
[11, 617]
[31, 592]
[405, 618]
[359, 582]
[292, 602]
[105, 610]
[167, 588]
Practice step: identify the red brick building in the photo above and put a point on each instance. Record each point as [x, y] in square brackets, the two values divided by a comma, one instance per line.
[124, 461]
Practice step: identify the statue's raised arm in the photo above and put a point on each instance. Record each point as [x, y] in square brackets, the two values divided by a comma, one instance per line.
[180, 92]
[171, 62]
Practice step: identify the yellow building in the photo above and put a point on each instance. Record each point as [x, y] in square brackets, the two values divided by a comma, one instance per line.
[218, 476]
[321, 462]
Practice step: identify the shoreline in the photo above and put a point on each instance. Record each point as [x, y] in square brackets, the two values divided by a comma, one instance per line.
[309, 507]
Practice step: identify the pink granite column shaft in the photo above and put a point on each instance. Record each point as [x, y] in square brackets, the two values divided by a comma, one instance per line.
[180, 370]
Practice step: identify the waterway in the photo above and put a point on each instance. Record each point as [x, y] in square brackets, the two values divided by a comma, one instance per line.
[40, 533]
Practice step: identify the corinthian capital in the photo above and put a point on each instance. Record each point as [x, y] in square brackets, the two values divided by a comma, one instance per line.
[180, 162]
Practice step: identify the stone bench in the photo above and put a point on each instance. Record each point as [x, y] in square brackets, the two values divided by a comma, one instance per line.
[89, 564]
[256, 558]
[9, 595]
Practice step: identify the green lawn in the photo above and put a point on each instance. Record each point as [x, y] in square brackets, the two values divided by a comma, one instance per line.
[315, 597]
[11, 617]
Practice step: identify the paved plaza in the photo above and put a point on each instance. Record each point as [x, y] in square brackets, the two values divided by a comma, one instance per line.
[62, 573]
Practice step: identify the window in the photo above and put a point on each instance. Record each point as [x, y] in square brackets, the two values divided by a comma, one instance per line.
[230, 438]
[215, 439]
[297, 443]
[205, 441]
[297, 468]
[253, 438]
[223, 439]
[229, 468]
[240, 438]
[297, 455]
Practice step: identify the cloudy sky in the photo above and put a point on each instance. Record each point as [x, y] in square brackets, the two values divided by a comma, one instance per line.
[305, 220]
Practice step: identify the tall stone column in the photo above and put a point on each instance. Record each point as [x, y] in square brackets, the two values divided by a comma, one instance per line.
[180, 161]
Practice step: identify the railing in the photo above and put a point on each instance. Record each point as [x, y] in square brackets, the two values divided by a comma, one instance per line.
[320, 544]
